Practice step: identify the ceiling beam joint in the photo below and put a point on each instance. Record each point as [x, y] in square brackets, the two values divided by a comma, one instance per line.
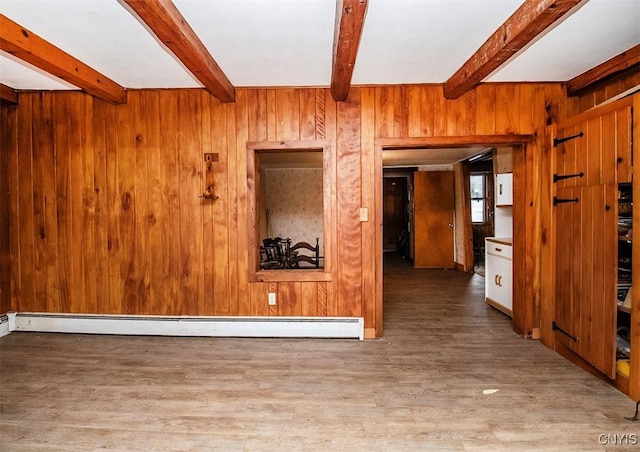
[529, 21]
[350, 16]
[171, 28]
[31, 48]
[8, 95]
[627, 61]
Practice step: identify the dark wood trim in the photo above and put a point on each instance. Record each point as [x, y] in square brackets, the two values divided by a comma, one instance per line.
[350, 16]
[27, 46]
[531, 19]
[167, 23]
[627, 61]
[8, 95]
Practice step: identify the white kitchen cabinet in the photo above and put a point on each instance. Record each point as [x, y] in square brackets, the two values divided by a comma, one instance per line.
[504, 189]
[499, 274]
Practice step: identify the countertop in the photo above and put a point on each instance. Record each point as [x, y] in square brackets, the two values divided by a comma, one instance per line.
[501, 240]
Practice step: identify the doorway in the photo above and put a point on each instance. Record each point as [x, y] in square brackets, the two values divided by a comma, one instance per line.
[443, 148]
[396, 207]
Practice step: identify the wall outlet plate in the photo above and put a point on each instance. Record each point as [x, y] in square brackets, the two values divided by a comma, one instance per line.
[271, 297]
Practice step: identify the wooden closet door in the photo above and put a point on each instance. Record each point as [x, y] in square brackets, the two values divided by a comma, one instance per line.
[433, 219]
[586, 273]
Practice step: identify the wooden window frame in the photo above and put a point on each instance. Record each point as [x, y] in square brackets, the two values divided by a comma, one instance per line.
[253, 220]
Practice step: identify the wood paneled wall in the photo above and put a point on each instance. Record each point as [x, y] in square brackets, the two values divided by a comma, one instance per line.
[5, 285]
[104, 210]
[607, 90]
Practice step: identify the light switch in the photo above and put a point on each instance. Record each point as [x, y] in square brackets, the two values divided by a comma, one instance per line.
[271, 297]
[364, 214]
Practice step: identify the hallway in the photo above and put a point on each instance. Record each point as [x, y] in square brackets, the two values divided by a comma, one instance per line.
[419, 388]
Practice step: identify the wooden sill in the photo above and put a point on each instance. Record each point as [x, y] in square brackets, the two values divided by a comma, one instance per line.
[293, 275]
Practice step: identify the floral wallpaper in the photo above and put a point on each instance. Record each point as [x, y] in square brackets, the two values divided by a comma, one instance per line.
[294, 204]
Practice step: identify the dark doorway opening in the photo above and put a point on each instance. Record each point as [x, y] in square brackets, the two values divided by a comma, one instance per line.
[395, 215]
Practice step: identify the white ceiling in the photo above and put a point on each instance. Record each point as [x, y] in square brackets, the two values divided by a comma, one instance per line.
[400, 158]
[289, 42]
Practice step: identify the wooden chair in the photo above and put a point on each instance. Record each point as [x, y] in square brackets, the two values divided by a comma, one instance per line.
[312, 259]
[275, 253]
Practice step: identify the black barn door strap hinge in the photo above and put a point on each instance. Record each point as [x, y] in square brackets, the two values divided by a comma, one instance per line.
[557, 177]
[557, 141]
[557, 328]
[557, 200]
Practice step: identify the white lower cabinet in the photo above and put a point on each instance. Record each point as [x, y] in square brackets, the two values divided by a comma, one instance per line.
[498, 274]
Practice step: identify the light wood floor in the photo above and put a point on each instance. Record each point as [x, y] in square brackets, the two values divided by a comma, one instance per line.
[419, 388]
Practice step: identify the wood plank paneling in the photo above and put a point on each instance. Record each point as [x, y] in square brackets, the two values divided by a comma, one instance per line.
[414, 111]
[99, 147]
[287, 114]
[41, 143]
[486, 110]
[244, 301]
[508, 108]
[141, 195]
[428, 109]
[11, 148]
[623, 143]
[218, 254]
[368, 183]
[349, 256]
[125, 229]
[128, 259]
[170, 212]
[26, 290]
[154, 215]
[307, 114]
[7, 132]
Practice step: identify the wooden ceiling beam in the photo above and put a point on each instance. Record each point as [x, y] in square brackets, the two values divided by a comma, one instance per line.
[626, 61]
[8, 95]
[531, 19]
[171, 28]
[31, 48]
[346, 39]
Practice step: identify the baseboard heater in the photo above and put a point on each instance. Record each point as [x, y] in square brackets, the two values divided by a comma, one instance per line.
[143, 325]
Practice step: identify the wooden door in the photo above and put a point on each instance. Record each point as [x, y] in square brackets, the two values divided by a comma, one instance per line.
[586, 266]
[394, 220]
[433, 219]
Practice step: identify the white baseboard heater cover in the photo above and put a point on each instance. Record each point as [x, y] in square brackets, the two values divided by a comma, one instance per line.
[280, 327]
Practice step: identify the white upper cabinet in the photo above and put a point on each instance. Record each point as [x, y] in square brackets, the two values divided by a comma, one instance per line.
[504, 189]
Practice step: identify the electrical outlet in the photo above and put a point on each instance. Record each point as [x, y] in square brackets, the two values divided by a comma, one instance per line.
[364, 214]
[271, 297]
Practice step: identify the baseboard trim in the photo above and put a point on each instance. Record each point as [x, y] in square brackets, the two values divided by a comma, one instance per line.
[500, 307]
[265, 327]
